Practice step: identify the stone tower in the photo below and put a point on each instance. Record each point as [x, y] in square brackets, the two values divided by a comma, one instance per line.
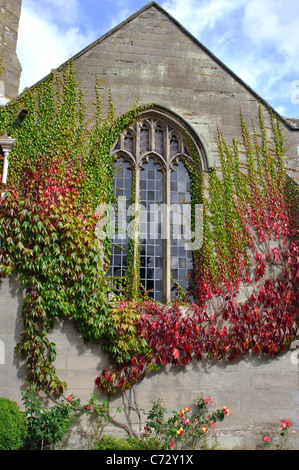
[10, 11]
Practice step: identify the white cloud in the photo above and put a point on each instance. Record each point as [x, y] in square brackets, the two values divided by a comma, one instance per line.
[272, 27]
[257, 39]
[43, 44]
[274, 23]
[201, 16]
[273, 34]
[121, 11]
[119, 18]
[66, 12]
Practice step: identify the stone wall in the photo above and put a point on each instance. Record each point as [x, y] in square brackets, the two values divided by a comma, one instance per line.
[10, 11]
[150, 57]
[258, 391]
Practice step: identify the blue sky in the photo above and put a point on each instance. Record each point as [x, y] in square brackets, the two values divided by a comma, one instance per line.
[257, 39]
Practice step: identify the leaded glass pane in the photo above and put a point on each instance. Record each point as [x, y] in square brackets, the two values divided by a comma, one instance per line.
[128, 142]
[159, 140]
[151, 243]
[180, 199]
[150, 186]
[144, 140]
[123, 196]
[173, 146]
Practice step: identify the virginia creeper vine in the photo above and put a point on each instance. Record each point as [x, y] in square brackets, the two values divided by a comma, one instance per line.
[61, 170]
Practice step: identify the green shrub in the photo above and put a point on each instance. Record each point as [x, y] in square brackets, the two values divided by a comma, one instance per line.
[130, 443]
[47, 426]
[13, 425]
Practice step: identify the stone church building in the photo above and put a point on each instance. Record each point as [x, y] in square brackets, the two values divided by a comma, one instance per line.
[151, 56]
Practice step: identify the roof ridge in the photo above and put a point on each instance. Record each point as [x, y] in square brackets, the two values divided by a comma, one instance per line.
[113, 30]
[102, 38]
[192, 37]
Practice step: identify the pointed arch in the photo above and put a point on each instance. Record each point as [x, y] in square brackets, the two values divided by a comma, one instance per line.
[179, 125]
[159, 144]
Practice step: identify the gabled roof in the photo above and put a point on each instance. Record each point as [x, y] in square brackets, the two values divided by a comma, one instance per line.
[289, 122]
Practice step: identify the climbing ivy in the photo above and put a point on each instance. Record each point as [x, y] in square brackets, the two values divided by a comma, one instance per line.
[61, 175]
[246, 204]
[250, 225]
[51, 244]
[61, 170]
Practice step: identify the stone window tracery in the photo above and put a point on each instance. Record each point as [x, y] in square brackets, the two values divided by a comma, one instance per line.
[150, 170]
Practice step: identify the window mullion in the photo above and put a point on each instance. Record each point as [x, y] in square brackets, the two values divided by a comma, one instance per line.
[167, 237]
[149, 186]
[137, 210]
[136, 229]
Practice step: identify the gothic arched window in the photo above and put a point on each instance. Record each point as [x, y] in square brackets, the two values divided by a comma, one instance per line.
[152, 186]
